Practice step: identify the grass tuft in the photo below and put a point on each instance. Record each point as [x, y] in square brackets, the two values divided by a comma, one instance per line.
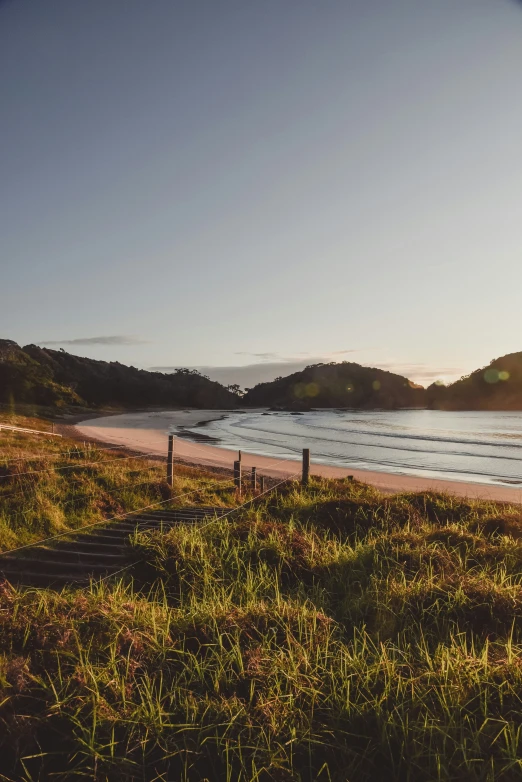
[330, 634]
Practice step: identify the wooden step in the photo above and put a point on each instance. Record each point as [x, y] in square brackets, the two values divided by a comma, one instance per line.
[102, 546]
[25, 578]
[51, 566]
[96, 552]
[109, 556]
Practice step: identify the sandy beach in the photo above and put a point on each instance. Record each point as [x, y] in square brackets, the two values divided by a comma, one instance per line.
[148, 432]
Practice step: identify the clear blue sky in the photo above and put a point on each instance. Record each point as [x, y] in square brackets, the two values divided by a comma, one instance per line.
[233, 182]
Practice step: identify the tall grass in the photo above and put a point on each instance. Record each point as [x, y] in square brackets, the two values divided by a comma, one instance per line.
[50, 485]
[329, 633]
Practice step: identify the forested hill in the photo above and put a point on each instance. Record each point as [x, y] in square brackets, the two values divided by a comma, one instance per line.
[55, 378]
[495, 387]
[337, 385]
[58, 379]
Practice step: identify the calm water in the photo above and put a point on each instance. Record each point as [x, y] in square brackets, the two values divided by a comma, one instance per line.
[472, 446]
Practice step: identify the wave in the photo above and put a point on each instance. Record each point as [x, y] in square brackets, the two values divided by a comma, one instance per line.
[398, 447]
[409, 452]
[409, 436]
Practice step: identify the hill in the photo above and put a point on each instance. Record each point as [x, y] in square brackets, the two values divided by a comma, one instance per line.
[57, 379]
[338, 385]
[495, 387]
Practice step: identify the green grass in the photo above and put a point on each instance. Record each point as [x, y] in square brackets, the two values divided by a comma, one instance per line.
[49, 485]
[330, 633]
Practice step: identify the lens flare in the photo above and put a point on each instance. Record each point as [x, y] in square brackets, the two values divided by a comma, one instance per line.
[491, 375]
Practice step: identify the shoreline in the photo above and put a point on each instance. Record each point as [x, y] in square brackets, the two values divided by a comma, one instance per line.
[154, 440]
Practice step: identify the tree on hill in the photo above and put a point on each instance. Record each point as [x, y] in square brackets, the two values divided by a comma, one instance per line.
[56, 378]
[343, 384]
[497, 386]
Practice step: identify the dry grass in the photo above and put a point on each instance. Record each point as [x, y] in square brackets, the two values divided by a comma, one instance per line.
[49, 485]
[326, 634]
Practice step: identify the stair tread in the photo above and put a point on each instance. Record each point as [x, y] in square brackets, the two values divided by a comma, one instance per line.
[42, 564]
[94, 551]
[62, 554]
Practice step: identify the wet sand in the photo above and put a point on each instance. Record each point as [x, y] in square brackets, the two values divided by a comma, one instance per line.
[148, 432]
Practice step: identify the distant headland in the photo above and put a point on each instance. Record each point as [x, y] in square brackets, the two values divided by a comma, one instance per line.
[57, 379]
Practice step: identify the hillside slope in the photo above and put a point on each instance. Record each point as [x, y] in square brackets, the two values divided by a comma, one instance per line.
[338, 385]
[495, 387]
[56, 378]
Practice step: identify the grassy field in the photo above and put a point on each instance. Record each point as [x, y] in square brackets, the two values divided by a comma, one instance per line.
[330, 633]
[50, 484]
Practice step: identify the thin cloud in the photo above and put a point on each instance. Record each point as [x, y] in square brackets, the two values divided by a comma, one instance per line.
[292, 359]
[263, 356]
[111, 340]
[393, 366]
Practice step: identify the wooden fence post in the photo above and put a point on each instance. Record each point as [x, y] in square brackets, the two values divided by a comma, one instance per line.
[170, 461]
[306, 466]
[254, 478]
[237, 475]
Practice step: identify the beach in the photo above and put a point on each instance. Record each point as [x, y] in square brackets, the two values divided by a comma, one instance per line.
[148, 433]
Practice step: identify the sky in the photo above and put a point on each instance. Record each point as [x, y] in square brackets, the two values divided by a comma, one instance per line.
[249, 187]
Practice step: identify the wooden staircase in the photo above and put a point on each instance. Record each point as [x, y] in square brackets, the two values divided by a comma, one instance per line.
[77, 558]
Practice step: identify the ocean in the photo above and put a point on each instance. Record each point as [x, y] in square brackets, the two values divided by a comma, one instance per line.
[482, 447]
